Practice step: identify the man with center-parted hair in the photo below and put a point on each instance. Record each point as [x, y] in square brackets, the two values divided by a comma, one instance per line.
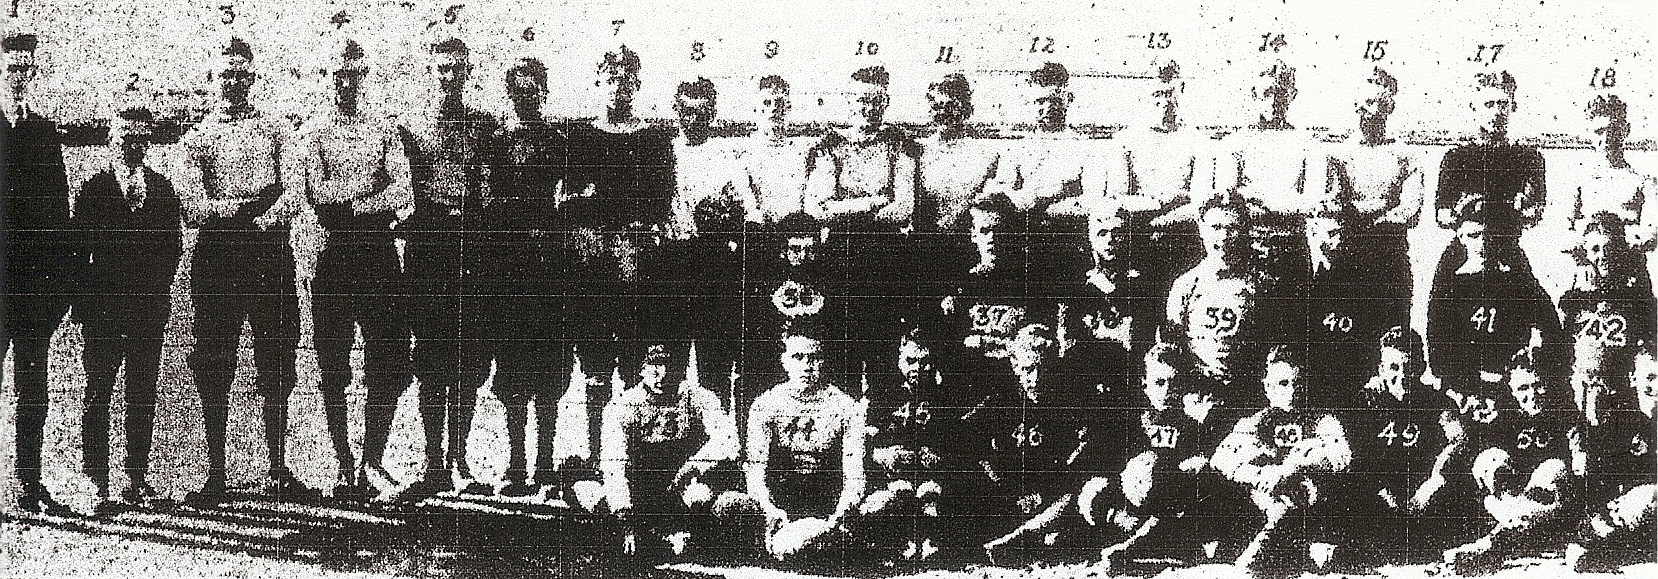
[356, 178]
[38, 276]
[233, 176]
[449, 161]
[1615, 186]
[526, 275]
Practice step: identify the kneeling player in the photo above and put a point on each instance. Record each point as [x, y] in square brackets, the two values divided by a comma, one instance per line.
[1166, 481]
[1285, 455]
[1525, 470]
[805, 466]
[1623, 492]
[660, 442]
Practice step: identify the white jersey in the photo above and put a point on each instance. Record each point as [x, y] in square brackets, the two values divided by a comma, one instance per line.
[1598, 186]
[1385, 183]
[954, 173]
[775, 176]
[1151, 170]
[1059, 171]
[1217, 311]
[707, 171]
[1269, 166]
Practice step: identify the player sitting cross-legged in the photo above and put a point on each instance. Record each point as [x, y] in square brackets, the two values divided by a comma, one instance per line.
[662, 447]
[1623, 495]
[1285, 454]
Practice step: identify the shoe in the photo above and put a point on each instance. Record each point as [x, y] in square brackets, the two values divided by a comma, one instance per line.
[283, 486]
[471, 486]
[39, 501]
[356, 490]
[1480, 557]
[518, 489]
[211, 494]
[109, 508]
[420, 490]
[368, 474]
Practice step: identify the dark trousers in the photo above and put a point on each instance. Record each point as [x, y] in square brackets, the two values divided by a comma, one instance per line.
[118, 328]
[244, 275]
[525, 336]
[449, 358]
[356, 284]
[30, 321]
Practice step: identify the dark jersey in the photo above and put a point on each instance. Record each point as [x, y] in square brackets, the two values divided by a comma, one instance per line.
[1037, 446]
[619, 181]
[1344, 318]
[914, 417]
[1479, 320]
[1530, 440]
[1172, 435]
[1621, 454]
[1605, 325]
[1111, 319]
[1395, 441]
[36, 208]
[529, 163]
[1510, 179]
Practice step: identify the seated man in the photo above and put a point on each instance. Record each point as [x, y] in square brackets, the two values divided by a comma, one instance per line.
[909, 425]
[1169, 494]
[805, 467]
[1285, 455]
[1028, 438]
[1403, 436]
[1529, 465]
[1218, 309]
[663, 439]
[1623, 492]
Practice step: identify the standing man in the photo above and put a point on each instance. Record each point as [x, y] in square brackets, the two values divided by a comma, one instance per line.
[37, 258]
[128, 217]
[954, 167]
[356, 177]
[526, 277]
[1615, 186]
[621, 186]
[861, 182]
[1507, 178]
[775, 166]
[449, 165]
[1378, 185]
[244, 267]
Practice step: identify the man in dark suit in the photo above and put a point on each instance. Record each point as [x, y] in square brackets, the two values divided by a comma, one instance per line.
[39, 258]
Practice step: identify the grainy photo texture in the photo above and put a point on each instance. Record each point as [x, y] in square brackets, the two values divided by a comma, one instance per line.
[750, 288]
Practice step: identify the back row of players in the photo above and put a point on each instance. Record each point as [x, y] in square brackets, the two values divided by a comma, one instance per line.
[1087, 345]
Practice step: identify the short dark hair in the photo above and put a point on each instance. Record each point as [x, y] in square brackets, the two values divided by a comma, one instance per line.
[998, 203]
[701, 88]
[24, 42]
[1168, 72]
[798, 224]
[1498, 80]
[956, 85]
[1613, 108]
[451, 46]
[531, 67]
[1287, 354]
[774, 82]
[1051, 74]
[876, 75]
[136, 113]
[238, 47]
[623, 61]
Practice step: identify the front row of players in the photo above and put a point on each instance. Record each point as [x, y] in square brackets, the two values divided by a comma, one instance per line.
[1026, 461]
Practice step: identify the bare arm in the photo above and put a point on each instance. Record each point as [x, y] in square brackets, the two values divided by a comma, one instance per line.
[1235, 455]
[852, 463]
[398, 195]
[613, 456]
[759, 454]
[722, 434]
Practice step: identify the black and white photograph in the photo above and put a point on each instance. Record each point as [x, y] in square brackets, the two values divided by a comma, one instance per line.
[867, 289]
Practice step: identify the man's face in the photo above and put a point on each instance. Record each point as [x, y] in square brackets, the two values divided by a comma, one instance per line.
[1028, 352]
[454, 70]
[1593, 245]
[20, 70]
[132, 137]
[1325, 234]
[694, 113]
[947, 109]
[1377, 102]
[915, 363]
[1165, 105]
[348, 83]
[1051, 104]
[1158, 382]
[236, 80]
[1606, 129]
[1391, 369]
[653, 378]
[986, 226]
[1644, 378]
[1528, 390]
[1219, 230]
[525, 92]
[871, 104]
[1103, 236]
[616, 88]
[774, 103]
[1492, 107]
[803, 360]
[1281, 381]
[1472, 236]
[800, 250]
